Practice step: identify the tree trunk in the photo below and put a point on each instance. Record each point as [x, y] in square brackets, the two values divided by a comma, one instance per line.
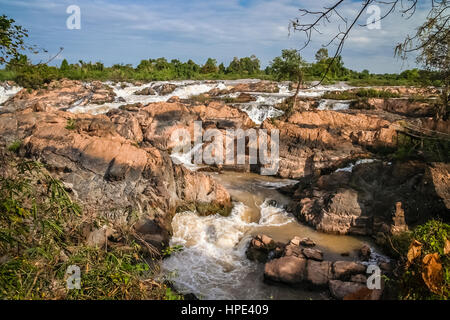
[299, 85]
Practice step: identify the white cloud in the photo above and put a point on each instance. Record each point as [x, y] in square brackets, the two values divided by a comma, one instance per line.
[114, 31]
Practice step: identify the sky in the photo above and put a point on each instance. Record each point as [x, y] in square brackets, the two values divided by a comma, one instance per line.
[126, 31]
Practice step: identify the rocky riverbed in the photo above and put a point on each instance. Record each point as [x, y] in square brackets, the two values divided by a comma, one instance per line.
[109, 143]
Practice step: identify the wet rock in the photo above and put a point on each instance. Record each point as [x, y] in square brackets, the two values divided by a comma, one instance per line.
[319, 273]
[146, 92]
[307, 242]
[290, 270]
[313, 254]
[165, 89]
[293, 250]
[364, 253]
[260, 248]
[244, 98]
[340, 289]
[345, 269]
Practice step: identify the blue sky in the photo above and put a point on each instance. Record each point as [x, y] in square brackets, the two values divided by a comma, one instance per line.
[127, 31]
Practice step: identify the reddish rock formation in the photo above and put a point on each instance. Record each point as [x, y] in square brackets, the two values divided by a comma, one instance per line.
[61, 94]
[100, 162]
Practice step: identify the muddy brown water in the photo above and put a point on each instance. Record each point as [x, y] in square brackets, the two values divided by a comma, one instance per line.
[213, 264]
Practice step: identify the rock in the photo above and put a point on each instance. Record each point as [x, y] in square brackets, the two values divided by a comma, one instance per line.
[314, 141]
[313, 254]
[112, 168]
[345, 269]
[361, 201]
[364, 294]
[165, 89]
[290, 270]
[99, 237]
[148, 91]
[260, 248]
[293, 250]
[260, 86]
[319, 273]
[173, 99]
[365, 252]
[404, 106]
[398, 221]
[360, 278]
[386, 267]
[295, 241]
[39, 107]
[244, 98]
[307, 242]
[60, 94]
[340, 289]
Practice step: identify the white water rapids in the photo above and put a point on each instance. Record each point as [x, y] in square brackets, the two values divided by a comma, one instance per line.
[264, 107]
[213, 263]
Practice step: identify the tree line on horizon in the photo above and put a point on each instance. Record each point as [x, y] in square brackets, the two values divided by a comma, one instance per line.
[282, 68]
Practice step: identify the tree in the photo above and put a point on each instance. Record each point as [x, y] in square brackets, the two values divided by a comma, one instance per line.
[344, 21]
[12, 40]
[210, 66]
[289, 67]
[64, 65]
[433, 42]
[321, 55]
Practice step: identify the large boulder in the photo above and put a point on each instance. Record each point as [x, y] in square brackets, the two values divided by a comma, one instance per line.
[61, 94]
[313, 142]
[318, 273]
[340, 289]
[373, 197]
[346, 269]
[290, 270]
[261, 248]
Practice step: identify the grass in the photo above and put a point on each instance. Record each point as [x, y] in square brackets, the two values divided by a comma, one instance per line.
[15, 146]
[71, 124]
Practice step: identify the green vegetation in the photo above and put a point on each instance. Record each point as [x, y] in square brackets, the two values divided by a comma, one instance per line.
[286, 67]
[171, 250]
[41, 235]
[415, 250]
[422, 148]
[15, 146]
[360, 93]
[71, 124]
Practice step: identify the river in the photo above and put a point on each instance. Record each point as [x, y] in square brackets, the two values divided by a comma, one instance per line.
[213, 264]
